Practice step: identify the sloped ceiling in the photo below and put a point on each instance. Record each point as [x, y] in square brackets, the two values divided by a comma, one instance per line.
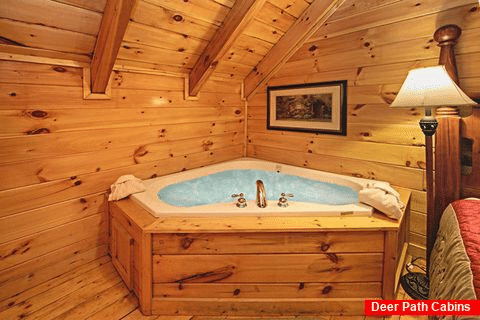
[170, 35]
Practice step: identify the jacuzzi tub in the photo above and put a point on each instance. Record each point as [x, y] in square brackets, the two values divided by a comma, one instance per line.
[297, 181]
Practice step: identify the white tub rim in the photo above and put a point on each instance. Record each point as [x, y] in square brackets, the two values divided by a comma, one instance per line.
[149, 200]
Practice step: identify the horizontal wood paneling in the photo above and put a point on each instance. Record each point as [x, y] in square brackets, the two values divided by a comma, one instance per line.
[351, 18]
[155, 37]
[21, 96]
[141, 52]
[254, 268]
[268, 291]
[61, 154]
[155, 15]
[47, 13]
[293, 7]
[276, 17]
[53, 145]
[48, 169]
[387, 75]
[47, 217]
[359, 150]
[263, 242]
[397, 175]
[37, 244]
[205, 10]
[30, 73]
[259, 307]
[382, 133]
[261, 30]
[36, 36]
[416, 250]
[97, 5]
[57, 120]
[231, 69]
[252, 45]
[404, 51]
[388, 33]
[418, 223]
[419, 240]
[42, 194]
[419, 201]
[173, 34]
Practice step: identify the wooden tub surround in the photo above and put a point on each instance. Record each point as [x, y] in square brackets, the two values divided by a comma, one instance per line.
[256, 266]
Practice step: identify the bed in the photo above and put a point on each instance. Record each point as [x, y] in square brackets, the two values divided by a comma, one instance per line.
[455, 258]
[454, 262]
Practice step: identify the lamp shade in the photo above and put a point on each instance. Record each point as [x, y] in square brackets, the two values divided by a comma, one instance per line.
[430, 87]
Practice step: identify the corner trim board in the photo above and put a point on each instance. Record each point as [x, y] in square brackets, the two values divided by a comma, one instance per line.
[87, 91]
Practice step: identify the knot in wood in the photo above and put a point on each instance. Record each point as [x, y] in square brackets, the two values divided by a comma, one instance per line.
[207, 145]
[39, 114]
[186, 242]
[333, 257]
[327, 289]
[59, 69]
[140, 151]
[177, 18]
[38, 131]
[324, 246]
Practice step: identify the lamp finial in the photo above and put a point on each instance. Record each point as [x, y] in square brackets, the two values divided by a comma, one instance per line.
[447, 35]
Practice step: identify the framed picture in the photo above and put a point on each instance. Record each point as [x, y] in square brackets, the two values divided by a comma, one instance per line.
[313, 107]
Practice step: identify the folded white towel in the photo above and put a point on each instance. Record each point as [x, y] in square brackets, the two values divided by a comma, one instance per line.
[382, 197]
[125, 186]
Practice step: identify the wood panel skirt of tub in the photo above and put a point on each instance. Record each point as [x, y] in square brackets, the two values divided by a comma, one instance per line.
[254, 266]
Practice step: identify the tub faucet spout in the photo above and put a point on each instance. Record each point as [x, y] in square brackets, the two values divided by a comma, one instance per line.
[261, 195]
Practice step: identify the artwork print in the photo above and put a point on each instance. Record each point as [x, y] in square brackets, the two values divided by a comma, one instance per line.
[315, 107]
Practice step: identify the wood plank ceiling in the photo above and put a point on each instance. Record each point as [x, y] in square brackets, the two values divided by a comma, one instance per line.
[171, 35]
[162, 35]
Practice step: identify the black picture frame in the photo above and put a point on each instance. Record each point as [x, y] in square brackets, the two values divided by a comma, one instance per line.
[319, 107]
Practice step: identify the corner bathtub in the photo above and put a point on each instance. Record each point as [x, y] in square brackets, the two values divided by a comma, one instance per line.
[207, 191]
[216, 259]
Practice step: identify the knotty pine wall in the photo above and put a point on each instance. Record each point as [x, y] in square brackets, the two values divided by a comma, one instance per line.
[60, 153]
[374, 57]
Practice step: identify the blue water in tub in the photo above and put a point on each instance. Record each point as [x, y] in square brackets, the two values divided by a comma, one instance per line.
[219, 187]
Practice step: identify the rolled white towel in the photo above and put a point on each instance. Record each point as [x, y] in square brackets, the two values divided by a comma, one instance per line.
[382, 197]
[125, 186]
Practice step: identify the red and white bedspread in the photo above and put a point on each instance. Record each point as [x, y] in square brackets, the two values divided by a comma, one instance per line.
[455, 259]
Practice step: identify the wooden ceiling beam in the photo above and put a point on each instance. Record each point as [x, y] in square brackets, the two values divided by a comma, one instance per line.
[306, 25]
[112, 29]
[234, 24]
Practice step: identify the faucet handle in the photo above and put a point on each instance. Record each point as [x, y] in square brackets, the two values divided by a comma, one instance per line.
[283, 201]
[241, 201]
